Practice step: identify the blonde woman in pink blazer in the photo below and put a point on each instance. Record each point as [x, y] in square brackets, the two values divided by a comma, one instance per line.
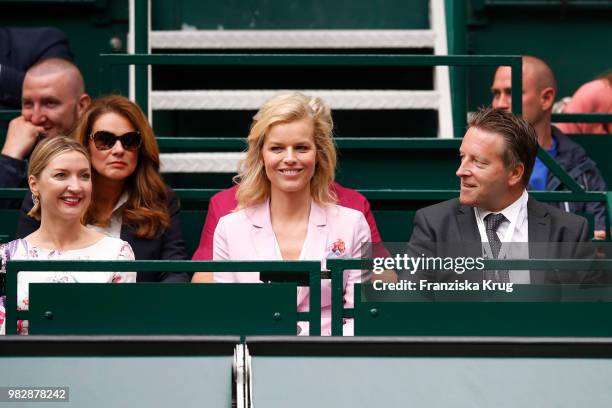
[286, 210]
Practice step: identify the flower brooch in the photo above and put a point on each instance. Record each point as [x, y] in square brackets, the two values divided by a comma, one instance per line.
[338, 247]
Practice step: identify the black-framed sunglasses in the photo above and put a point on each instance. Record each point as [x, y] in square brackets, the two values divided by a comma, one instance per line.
[105, 140]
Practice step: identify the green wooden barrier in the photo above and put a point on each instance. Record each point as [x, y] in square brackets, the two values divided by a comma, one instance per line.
[310, 268]
[215, 309]
[558, 310]
[530, 310]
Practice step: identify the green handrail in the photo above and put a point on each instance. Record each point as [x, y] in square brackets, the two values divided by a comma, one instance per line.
[141, 45]
[456, 34]
[582, 117]
[186, 194]
[381, 194]
[313, 268]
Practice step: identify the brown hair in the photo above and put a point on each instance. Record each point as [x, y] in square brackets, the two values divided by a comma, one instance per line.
[520, 139]
[45, 151]
[607, 76]
[146, 210]
[254, 186]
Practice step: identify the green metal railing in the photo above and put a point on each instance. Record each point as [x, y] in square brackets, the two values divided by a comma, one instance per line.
[312, 268]
[582, 117]
[382, 194]
[456, 33]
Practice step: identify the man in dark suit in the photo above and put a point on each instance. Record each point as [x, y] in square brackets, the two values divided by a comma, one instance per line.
[497, 156]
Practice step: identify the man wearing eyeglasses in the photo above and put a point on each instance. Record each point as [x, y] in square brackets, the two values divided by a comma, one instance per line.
[53, 99]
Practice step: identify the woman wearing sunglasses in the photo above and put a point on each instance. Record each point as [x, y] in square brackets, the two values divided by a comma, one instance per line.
[130, 199]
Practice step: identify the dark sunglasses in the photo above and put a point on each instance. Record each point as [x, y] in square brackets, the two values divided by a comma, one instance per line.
[105, 140]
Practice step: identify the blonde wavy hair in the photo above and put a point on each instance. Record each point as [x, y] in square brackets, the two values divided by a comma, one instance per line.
[44, 152]
[253, 184]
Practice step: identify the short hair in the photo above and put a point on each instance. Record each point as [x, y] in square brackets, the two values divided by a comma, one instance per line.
[45, 151]
[254, 186]
[51, 66]
[520, 139]
[146, 210]
[542, 73]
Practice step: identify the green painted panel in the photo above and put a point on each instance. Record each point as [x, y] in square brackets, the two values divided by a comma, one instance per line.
[8, 224]
[191, 224]
[162, 309]
[529, 310]
[394, 226]
[399, 169]
[292, 14]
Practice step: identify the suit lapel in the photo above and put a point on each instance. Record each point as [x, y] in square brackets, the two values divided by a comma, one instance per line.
[470, 243]
[262, 234]
[539, 222]
[468, 228]
[539, 235]
[316, 239]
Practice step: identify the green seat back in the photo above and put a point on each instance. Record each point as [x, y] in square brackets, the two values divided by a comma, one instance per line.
[152, 308]
[530, 310]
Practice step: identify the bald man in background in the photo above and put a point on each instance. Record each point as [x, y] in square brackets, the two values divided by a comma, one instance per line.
[539, 92]
[52, 101]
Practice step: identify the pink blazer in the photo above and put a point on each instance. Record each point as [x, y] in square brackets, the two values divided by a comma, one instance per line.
[225, 201]
[247, 235]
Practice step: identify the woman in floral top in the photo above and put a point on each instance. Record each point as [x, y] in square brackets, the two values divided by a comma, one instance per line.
[59, 177]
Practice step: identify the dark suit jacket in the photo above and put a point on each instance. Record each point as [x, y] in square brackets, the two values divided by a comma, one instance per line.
[167, 246]
[450, 229]
[20, 48]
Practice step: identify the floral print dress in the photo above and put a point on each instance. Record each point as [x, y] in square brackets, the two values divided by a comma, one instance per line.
[107, 248]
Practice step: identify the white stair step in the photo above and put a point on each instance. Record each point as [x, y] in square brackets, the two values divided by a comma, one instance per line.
[253, 99]
[206, 162]
[291, 39]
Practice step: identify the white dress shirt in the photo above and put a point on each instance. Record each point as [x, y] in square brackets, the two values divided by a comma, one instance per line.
[514, 229]
[113, 229]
